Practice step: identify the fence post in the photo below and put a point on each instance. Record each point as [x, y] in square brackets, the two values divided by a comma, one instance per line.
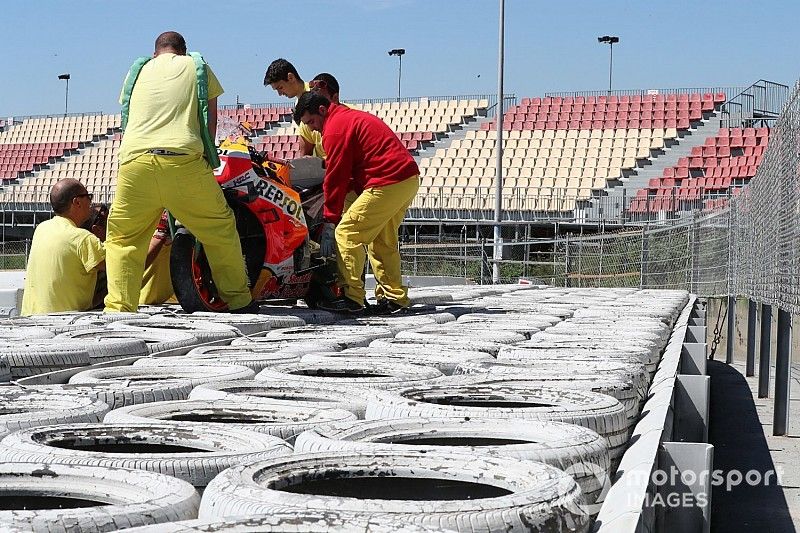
[751, 338]
[764, 351]
[643, 258]
[566, 260]
[783, 371]
[731, 328]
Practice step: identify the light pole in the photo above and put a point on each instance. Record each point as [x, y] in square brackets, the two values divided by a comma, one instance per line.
[497, 253]
[399, 52]
[610, 40]
[66, 95]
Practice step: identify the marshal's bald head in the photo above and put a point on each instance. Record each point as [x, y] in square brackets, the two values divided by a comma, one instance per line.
[171, 41]
[63, 192]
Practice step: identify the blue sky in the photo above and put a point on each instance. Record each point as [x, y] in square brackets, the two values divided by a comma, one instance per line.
[451, 45]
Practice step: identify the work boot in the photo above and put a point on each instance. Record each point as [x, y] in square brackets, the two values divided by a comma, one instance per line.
[342, 305]
[386, 307]
[253, 308]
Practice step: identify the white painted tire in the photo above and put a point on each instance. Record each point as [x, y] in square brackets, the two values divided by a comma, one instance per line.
[194, 452]
[579, 451]
[433, 334]
[525, 495]
[432, 343]
[250, 356]
[102, 348]
[343, 336]
[117, 394]
[37, 356]
[5, 369]
[282, 421]
[599, 412]
[247, 324]
[290, 520]
[349, 373]
[444, 360]
[21, 333]
[125, 498]
[396, 324]
[23, 409]
[204, 331]
[264, 344]
[156, 340]
[195, 374]
[307, 396]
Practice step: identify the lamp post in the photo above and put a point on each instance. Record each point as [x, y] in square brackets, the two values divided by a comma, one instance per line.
[399, 52]
[610, 40]
[497, 252]
[66, 95]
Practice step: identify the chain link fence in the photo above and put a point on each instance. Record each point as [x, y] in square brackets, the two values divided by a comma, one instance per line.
[747, 245]
[14, 255]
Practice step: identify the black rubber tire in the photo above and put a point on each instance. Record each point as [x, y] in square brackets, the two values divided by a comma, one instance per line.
[133, 498]
[283, 421]
[183, 279]
[198, 452]
[533, 496]
[579, 451]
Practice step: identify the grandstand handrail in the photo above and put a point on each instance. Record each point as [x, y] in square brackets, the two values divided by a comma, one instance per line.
[492, 98]
[761, 102]
[17, 119]
[645, 92]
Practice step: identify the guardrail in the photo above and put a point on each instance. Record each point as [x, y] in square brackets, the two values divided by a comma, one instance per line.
[668, 457]
[645, 92]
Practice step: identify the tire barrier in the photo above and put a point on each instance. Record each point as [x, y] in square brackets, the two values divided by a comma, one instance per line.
[192, 452]
[283, 421]
[60, 497]
[22, 409]
[446, 490]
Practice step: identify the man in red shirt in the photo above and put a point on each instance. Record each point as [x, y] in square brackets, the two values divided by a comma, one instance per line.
[363, 155]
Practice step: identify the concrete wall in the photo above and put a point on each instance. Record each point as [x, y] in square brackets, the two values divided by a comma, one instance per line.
[717, 318]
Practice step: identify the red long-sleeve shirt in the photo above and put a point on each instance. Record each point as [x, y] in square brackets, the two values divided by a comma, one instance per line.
[363, 152]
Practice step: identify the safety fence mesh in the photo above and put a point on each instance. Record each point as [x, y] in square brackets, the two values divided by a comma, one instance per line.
[748, 245]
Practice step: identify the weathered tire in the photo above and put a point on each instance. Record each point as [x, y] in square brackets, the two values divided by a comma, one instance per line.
[624, 353]
[444, 360]
[349, 373]
[550, 340]
[599, 412]
[156, 340]
[241, 355]
[28, 358]
[117, 394]
[103, 348]
[533, 320]
[124, 498]
[435, 334]
[309, 316]
[195, 374]
[247, 324]
[283, 421]
[523, 495]
[579, 451]
[22, 333]
[308, 396]
[193, 452]
[5, 369]
[294, 521]
[344, 336]
[283, 345]
[396, 324]
[433, 343]
[20, 409]
[204, 331]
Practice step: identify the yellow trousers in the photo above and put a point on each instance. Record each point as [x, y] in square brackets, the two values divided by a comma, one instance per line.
[373, 220]
[184, 185]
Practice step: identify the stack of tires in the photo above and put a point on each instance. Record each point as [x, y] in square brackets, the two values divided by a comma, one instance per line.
[501, 408]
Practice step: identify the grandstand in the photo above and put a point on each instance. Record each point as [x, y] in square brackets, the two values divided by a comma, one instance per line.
[624, 157]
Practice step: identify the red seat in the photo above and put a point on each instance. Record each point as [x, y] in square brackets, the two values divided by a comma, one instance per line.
[719, 98]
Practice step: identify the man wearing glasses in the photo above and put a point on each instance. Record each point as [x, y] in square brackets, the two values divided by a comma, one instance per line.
[64, 259]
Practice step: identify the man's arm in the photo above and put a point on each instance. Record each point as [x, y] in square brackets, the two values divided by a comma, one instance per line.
[212, 117]
[306, 148]
[156, 244]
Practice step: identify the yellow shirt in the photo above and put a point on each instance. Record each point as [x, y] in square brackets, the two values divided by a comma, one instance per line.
[61, 273]
[313, 137]
[163, 108]
[157, 281]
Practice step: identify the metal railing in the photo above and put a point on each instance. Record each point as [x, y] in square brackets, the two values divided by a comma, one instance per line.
[758, 105]
[644, 92]
[492, 99]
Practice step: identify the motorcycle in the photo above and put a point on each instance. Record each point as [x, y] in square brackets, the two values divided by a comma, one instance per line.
[278, 209]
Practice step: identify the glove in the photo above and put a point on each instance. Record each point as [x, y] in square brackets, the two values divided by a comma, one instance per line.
[327, 240]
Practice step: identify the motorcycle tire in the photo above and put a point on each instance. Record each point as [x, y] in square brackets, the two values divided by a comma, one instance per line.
[191, 277]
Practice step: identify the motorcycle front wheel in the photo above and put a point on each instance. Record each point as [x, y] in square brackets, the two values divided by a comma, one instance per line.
[191, 276]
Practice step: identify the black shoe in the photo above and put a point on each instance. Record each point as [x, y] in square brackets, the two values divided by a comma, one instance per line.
[253, 308]
[342, 305]
[386, 307]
